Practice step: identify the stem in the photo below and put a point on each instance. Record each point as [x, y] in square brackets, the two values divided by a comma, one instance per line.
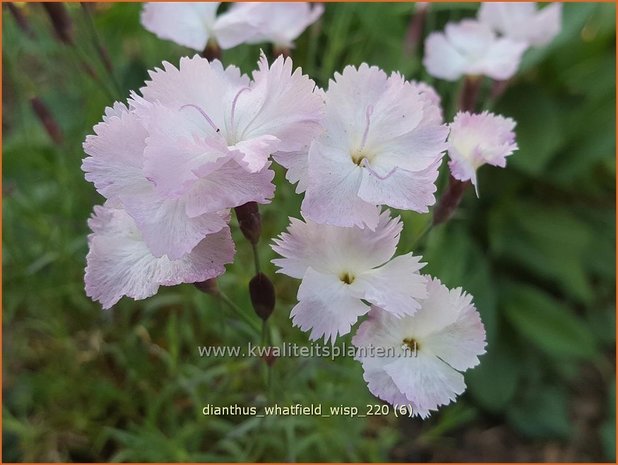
[268, 375]
[469, 93]
[449, 201]
[239, 311]
[256, 258]
[497, 90]
[414, 33]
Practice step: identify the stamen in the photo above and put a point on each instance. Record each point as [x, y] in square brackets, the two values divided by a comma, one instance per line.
[203, 113]
[234, 104]
[410, 344]
[368, 113]
[365, 164]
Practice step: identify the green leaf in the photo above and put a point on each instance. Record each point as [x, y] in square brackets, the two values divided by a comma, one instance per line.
[552, 243]
[546, 323]
[494, 382]
[539, 133]
[542, 414]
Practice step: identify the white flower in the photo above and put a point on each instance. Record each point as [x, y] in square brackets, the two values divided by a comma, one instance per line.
[277, 22]
[477, 139]
[471, 48]
[417, 360]
[195, 24]
[382, 145]
[198, 143]
[340, 267]
[521, 21]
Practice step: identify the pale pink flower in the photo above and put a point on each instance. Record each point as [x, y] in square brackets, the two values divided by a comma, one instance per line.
[416, 361]
[340, 267]
[382, 145]
[522, 21]
[279, 23]
[195, 24]
[119, 263]
[478, 139]
[471, 48]
[197, 143]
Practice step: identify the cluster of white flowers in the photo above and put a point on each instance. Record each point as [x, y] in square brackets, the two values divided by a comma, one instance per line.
[199, 141]
[196, 25]
[493, 44]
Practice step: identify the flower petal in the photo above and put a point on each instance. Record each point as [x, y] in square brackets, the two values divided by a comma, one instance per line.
[325, 306]
[395, 287]
[333, 249]
[165, 225]
[229, 186]
[280, 103]
[115, 152]
[401, 189]
[332, 193]
[186, 23]
[119, 262]
[426, 381]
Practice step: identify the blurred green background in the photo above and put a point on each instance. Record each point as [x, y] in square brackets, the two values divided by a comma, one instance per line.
[536, 251]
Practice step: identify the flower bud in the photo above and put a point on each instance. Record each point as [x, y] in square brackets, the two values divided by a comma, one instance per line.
[262, 294]
[249, 220]
[61, 21]
[209, 286]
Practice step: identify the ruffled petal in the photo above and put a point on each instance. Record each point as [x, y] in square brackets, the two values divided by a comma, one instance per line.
[426, 381]
[165, 225]
[333, 249]
[116, 151]
[201, 84]
[120, 264]
[280, 103]
[229, 186]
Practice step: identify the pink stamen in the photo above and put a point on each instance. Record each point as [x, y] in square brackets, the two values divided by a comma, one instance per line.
[368, 113]
[366, 164]
[203, 113]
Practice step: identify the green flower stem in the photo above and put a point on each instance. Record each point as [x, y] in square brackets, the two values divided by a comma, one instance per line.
[250, 321]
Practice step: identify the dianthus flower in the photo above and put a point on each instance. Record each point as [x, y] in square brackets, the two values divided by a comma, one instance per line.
[521, 21]
[416, 361]
[382, 145]
[340, 267]
[471, 48]
[478, 139]
[279, 23]
[195, 24]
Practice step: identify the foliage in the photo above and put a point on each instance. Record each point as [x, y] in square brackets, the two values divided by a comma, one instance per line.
[536, 250]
